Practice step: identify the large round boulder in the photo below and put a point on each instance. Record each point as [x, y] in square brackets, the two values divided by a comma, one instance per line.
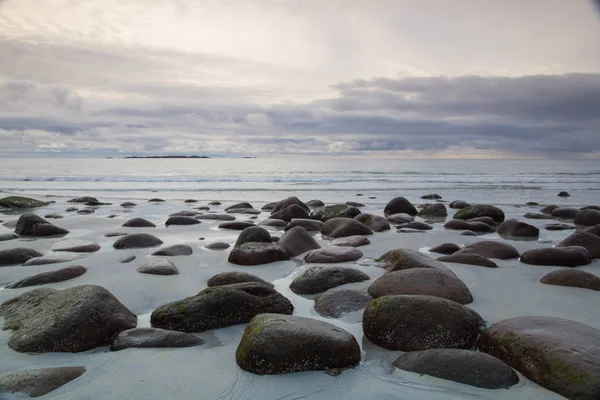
[17, 255]
[400, 218]
[279, 344]
[71, 320]
[139, 223]
[159, 267]
[31, 224]
[38, 382]
[588, 217]
[572, 278]
[315, 203]
[333, 254]
[306, 223]
[228, 278]
[445, 248]
[410, 323]
[399, 205]
[319, 279]
[288, 202]
[59, 275]
[373, 222]
[458, 365]
[137, 241]
[468, 259]
[236, 225]
[181, 220]
[594, 230]
[153, 338]
[334, 303]
[491, 249]
[565, 213]
[290, 212]
[481, 210]
[561, 355]
[573, 256]
[549, 208]
[351, 241]
[255, 234]
[342, 227]
[220, 306]
[583, 239]
[513, 228]
[297, 241]
[460, 225]
[334, 211]
[253, 253]
[400, 259]
[435, 210]
[459, 204]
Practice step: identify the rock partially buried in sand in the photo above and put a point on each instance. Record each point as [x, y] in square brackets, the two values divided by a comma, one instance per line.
[513, 228]
[421, 281]
[31, 224]
[52, 259]
[460, 225]
[491, 249]
[431, 196]
[273, 223]
[558, 256]
[220, 306]
[297, 241]
[291, 212]
[236, 225]
[283, 204]
[333, 254]
[137, 241]
[76, 246]
[416, 225]
[174, 250]
[139, 223]
[153, 338]
[334, 303]
[127, 259]
[255, 234]
[228, 278]
[399, 205]
[572, 278]
[459, 204]
[71, 320]
[468, 259]
[21, 202]
[277, 344]
[38, 382]
[18, 255]
[7, 236]
[410, 323]
[351, 241]
[481, 210]
[253, 253]
[561, 355]
[583, 239]
[308, 224]
[218, 246]
[463, 366]
[335, 211]
[319, 279]
[373, 222]
[59, 275]
[217, 217]
[342, 227]
[159, 267]
[128, 204]
[445, 248]
[435, 210]
[399, 259]
[181, 220]
[594, 230]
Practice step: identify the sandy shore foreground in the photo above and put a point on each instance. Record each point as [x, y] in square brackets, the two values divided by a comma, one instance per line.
[210, 371]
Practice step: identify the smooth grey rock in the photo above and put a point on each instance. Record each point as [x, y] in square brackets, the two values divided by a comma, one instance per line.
[17, 255]
[587, 217]
[399, 259]
[400, 218]
[308, 224]
[217, 217]
[181, 220]
[334, 303]
[255, 234]
[334, 211]
[38, 382]
[218, 246]
[31, 224]
[174, 250]
[297, 241]
[351, 241]
[459, 204]
[228, 278]
[236, 225]
[76, 246]
[445, 248]
[480, 210]
[460, 225]
[373, 222]
[285, 203]
[572, 278]
[153, 338]
[565, 213]
[127, 259]
[513, 228]
[59, 275]
[253, 253]
[573, 256]
[274, 223]
[137, 241]
[343, 227]
[583, 239]
[491, 249]
[139, 223]
[159, 267]
[399, 205]
[333, 254]
[469, 259]
[321, 278]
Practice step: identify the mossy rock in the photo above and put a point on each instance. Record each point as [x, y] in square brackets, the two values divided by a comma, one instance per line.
[21, 202]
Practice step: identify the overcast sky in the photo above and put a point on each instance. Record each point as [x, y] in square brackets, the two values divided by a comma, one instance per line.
[461, 78]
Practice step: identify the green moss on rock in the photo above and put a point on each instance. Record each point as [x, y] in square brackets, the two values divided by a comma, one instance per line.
[21, 202]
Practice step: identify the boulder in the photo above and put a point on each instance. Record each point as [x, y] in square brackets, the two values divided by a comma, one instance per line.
[219, 307]
[269, 206]
[373, 222]
[462, 366]
[333, 254]
[308, 224]
[557, 256]
[420, 226]
[315, 203]
[30, 224]
[228, 278]
[250, 211]
[335, 211]
[21, 202]
[253, 234]
[184, 213]
[491, 249]
[254, 253]
[297, 241]
[435, 210]
[410, 323]
[52, 259]
[354, 204]
[17, 255]
[127, 259]
[280, 344]
[139, 223]
[565, 213]
[319, 279]
[351, 241]
[53, 216]
[410, 230]
[421, 281]
[583, 239]
[137, 241]
[460, 225]
[399, 205]
[159, 267]
[89, 211]
[514, 229]
[38, 382]
[218, 246]
[445, 248]
[594, 230]
[128, 204]
[558, 227]
[563, 194]
[153, 338]
[530, 215]
[285, 203]
[400, 218]
[587, 217]
[217, 217]
[274, 223]
[486, 220]
[597, 208]
[335, 303]
[7, 236]
[290, 212]
[174, 250]
[59, 275]
[84, 199]
[181, 220]
[481, 210]
[214, 203]
[469, 259]
[459, 204]
[76, 246]
[70, 320]
[342, 227]
[236, 225]
[400, 259]
[561, 355]
[468, 233]
[71, 209]
[239, 206]
[572, 278]
[431, 196]
[549, 208]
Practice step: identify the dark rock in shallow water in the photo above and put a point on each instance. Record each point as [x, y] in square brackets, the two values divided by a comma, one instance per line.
[52, 259]
[30, 224]
[127, 259]
[297, 241]
[460, 225]
[421, 281]
[334, 303]
[38, 382]
[181, 220]
[83, 199]
[342, 227]
[530, 215]
[190, 201]
[59, 275]
[153, 338]
[594, 230]
[184, 213]
[218, 246]
[273, 223]
[285, 203]
[463, 366]
[21, 202]
[549, 208]
[491, 249]
[351, 241]
[269, 206]
[308, 224]
[565, 213]
[354, 204]
[445, 248]
[561, 355]
[71, 209]
[469, 259]
[228, 278]
[114, 234]
[217, 217]
[319, 279]
[137, 241]
[333, 254]
[588, 217]
[431, 196]
[563, 194]
[72, 320]
[399, 205]
[459, 204]
[410, 323]
[236, 225]
[481, 210]
[7, 236]
[253, 234]
[373, 222]
[315, 203]
[253, 253]
[240, 205]
[410, 230]
[335, 211]
[86, 211]
[128, 204]
[174, 250]
[420, 226]
[214, 203]
[468, 233]
[572, 278]
[219, 307]
[156, 200]
[558, 256]
[400, 259]
[558, 227]
[583, 239]
[76, 246]
[277, 344]
[53, 216]
[160, 267]
[514, 229]
[486, 220]
[436, 210]
[400, 218]
[17, 255]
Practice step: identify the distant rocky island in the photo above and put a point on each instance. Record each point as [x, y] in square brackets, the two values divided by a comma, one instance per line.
[167, 157]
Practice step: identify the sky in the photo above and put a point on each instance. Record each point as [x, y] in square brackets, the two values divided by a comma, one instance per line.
[405, 78]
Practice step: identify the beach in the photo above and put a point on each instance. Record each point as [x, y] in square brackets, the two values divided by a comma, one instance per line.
[209, 371]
